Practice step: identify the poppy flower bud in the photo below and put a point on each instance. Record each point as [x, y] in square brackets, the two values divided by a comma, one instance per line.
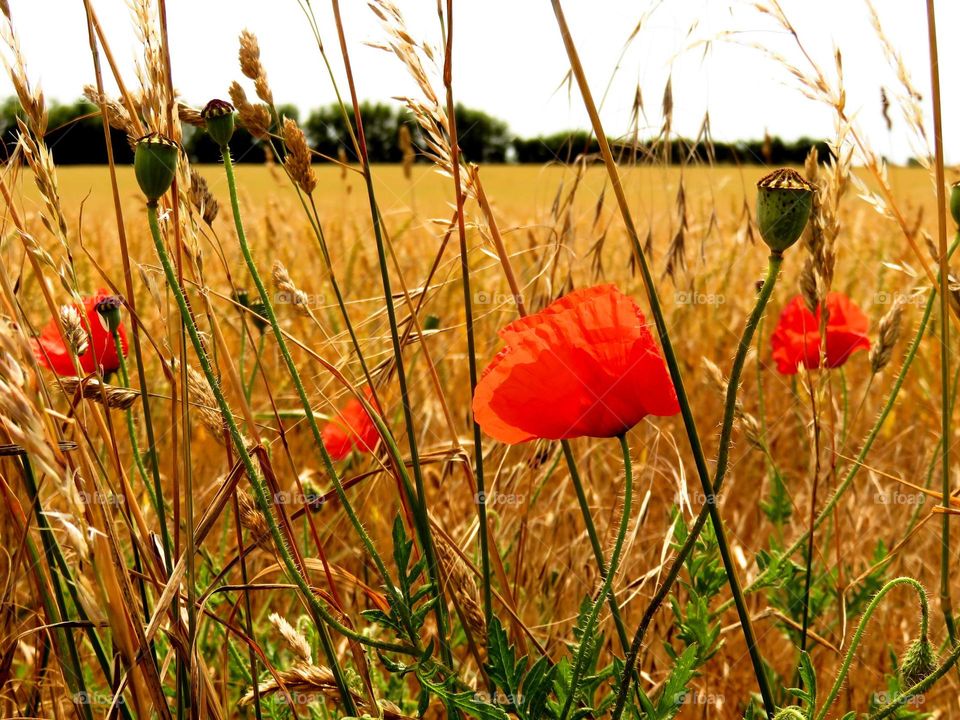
[788, 713]
[919, 661]
[784, 201]
[218, 115]
[108, 309]
[155, 165]
[955, 202]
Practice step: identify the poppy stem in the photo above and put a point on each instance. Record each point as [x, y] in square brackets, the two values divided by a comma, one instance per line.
[866, 446]
[299, 386]
[594, 541]
[281, 542]
[689, 422]
[710, 510]
[861, 629]
[586, 633]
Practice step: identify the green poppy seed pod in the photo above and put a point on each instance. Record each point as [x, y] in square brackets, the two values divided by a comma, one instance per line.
[155, 165]
[108, 309]
[955, 202]
[789, 713]
[259, 316]
[784, 201]
[218, 115]
[919, 661]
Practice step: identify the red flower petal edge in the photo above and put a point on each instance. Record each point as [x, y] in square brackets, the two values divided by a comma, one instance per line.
[352, 428]
[584, 366]
[796, 339]
[52, 352]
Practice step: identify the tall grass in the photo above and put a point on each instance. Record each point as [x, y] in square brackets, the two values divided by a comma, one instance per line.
[182, 542]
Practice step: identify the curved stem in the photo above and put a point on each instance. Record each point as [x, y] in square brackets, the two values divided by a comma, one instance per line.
[676, 376]
[723, 456]
[861, 629]
[253, 474]
[585, 643]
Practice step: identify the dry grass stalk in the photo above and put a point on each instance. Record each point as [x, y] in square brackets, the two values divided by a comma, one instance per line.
[251, 518]
[113, 396]
[405, 139]
[297, 161]
[75, 334]
[117, 115]
[462, 585]
[314, 682]
[421, 61]
[205, 404]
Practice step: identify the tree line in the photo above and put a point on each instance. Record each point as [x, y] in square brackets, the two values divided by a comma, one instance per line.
[76, 137]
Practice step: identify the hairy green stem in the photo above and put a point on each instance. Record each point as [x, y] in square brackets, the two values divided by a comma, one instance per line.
[861, 629]
[253, 474]
[587, 631]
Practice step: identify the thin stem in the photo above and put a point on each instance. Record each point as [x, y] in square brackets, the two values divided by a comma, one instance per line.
[253, 474]
[861, 629]
[468, 316]
[871, 437]
[419, 501]
[723, 454]
[587, 631]
[594, 539]
[946, 601]
[301, 389]
[670, 357]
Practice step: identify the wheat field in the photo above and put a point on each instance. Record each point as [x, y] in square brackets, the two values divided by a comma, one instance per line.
[181, 539]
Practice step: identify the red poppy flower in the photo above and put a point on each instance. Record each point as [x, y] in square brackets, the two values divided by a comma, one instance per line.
[52, 351]
[796, 339]
[586, 365]
[352, 428]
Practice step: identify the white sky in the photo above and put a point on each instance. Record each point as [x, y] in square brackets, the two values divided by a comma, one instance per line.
[509, 59]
